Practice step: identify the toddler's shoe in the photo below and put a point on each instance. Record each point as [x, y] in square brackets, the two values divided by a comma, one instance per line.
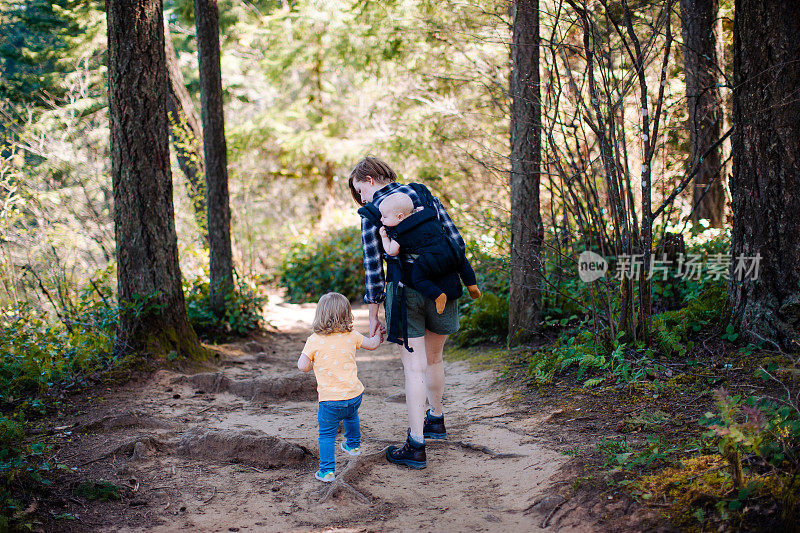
[326, 477]
[355, 450]
[433, 428]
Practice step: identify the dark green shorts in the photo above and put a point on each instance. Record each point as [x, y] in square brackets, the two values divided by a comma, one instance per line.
[422, 314]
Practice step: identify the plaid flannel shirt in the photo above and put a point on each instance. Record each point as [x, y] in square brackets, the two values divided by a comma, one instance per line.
[373, 247]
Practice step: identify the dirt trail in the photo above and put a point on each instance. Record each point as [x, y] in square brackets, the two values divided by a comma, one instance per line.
[234, 449]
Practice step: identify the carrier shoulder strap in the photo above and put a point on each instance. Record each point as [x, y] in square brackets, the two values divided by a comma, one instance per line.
[370, 212]
[424, 194]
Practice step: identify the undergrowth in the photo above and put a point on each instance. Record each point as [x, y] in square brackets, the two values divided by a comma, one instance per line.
[42, 357]
[331, 262]
[243, 309]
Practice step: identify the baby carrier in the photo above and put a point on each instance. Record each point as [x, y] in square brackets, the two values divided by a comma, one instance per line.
[398, 272]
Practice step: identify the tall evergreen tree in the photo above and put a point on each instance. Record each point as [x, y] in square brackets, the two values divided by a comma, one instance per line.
[765, 183]
[206, 17]
[186, 136]
[702, 56]
[39, 41]
[147, 248]
[527, 231]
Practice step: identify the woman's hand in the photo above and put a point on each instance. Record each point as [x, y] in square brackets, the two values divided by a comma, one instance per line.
[376, 328]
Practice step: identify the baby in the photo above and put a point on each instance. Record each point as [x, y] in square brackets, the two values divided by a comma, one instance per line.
[420, 234]
[331, 352]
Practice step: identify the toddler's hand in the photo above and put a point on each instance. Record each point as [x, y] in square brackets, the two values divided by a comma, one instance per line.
[383, 233]
[372, 342]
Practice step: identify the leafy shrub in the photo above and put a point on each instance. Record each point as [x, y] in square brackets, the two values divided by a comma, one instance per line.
[753, 474]
[484, 320]
[332, 262]
[671, 329]
[708, 245]
[491, 270]
[566, 350]
[98, 490]
[617, 360]
[36, 354]
[757, 427]
[242, 314]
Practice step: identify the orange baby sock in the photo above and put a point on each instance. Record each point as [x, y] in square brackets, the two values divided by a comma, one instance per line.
[474, 292]
[440, 301]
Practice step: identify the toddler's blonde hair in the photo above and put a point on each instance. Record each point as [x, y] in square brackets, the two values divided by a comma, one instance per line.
[333, 315]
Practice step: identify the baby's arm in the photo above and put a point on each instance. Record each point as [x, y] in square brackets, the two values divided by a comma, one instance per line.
[304, 364]
[390, 246]
[370, 343]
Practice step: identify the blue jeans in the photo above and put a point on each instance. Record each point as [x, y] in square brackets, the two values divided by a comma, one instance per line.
[328, 416]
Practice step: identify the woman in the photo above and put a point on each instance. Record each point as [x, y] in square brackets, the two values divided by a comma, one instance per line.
[370, 181]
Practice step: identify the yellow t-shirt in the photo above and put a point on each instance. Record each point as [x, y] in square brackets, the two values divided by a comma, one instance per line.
[334, 359]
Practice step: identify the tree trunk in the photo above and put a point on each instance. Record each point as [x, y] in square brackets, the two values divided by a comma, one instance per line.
[765, 186]
[702, 56]
[526, 223]
[206, 18]
[184, 130]
[153, 313]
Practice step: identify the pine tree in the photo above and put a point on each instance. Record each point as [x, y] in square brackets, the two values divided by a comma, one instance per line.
[527, 231]
[215, 150]
[702, 55]
[153, 312]
[765, 302]
[39, 43]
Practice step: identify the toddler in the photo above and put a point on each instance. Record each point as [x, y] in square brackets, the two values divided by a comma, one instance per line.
[419, 233]
[331, 352]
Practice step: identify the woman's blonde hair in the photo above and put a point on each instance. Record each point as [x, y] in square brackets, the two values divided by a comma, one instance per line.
[333, 315]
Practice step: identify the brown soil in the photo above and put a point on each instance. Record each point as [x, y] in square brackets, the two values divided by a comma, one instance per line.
[235, 450]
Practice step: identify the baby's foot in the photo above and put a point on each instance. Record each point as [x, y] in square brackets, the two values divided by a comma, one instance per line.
[441, 300]
[474, 292]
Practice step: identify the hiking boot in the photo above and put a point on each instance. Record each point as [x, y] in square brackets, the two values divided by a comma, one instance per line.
[411, 454]
[433, 428]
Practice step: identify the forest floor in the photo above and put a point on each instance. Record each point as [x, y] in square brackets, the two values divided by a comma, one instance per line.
[233, 447]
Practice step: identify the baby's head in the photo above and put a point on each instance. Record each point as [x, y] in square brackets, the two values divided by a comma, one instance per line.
[394, 208]
[333, 315]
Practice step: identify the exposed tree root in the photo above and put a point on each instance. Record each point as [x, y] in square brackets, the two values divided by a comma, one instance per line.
[549, 504]
[295, 387]
[354, 466]
[465, 445]
[126, 419]
[477, 448]
[249, 447]
[136, 448]
[400, 397]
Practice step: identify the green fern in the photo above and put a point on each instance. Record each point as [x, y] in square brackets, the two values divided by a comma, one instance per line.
[571, 361]
[674, 328]
[591, 383]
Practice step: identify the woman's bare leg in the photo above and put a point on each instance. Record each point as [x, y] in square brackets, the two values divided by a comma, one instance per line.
[434, 376]
[415, 365]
